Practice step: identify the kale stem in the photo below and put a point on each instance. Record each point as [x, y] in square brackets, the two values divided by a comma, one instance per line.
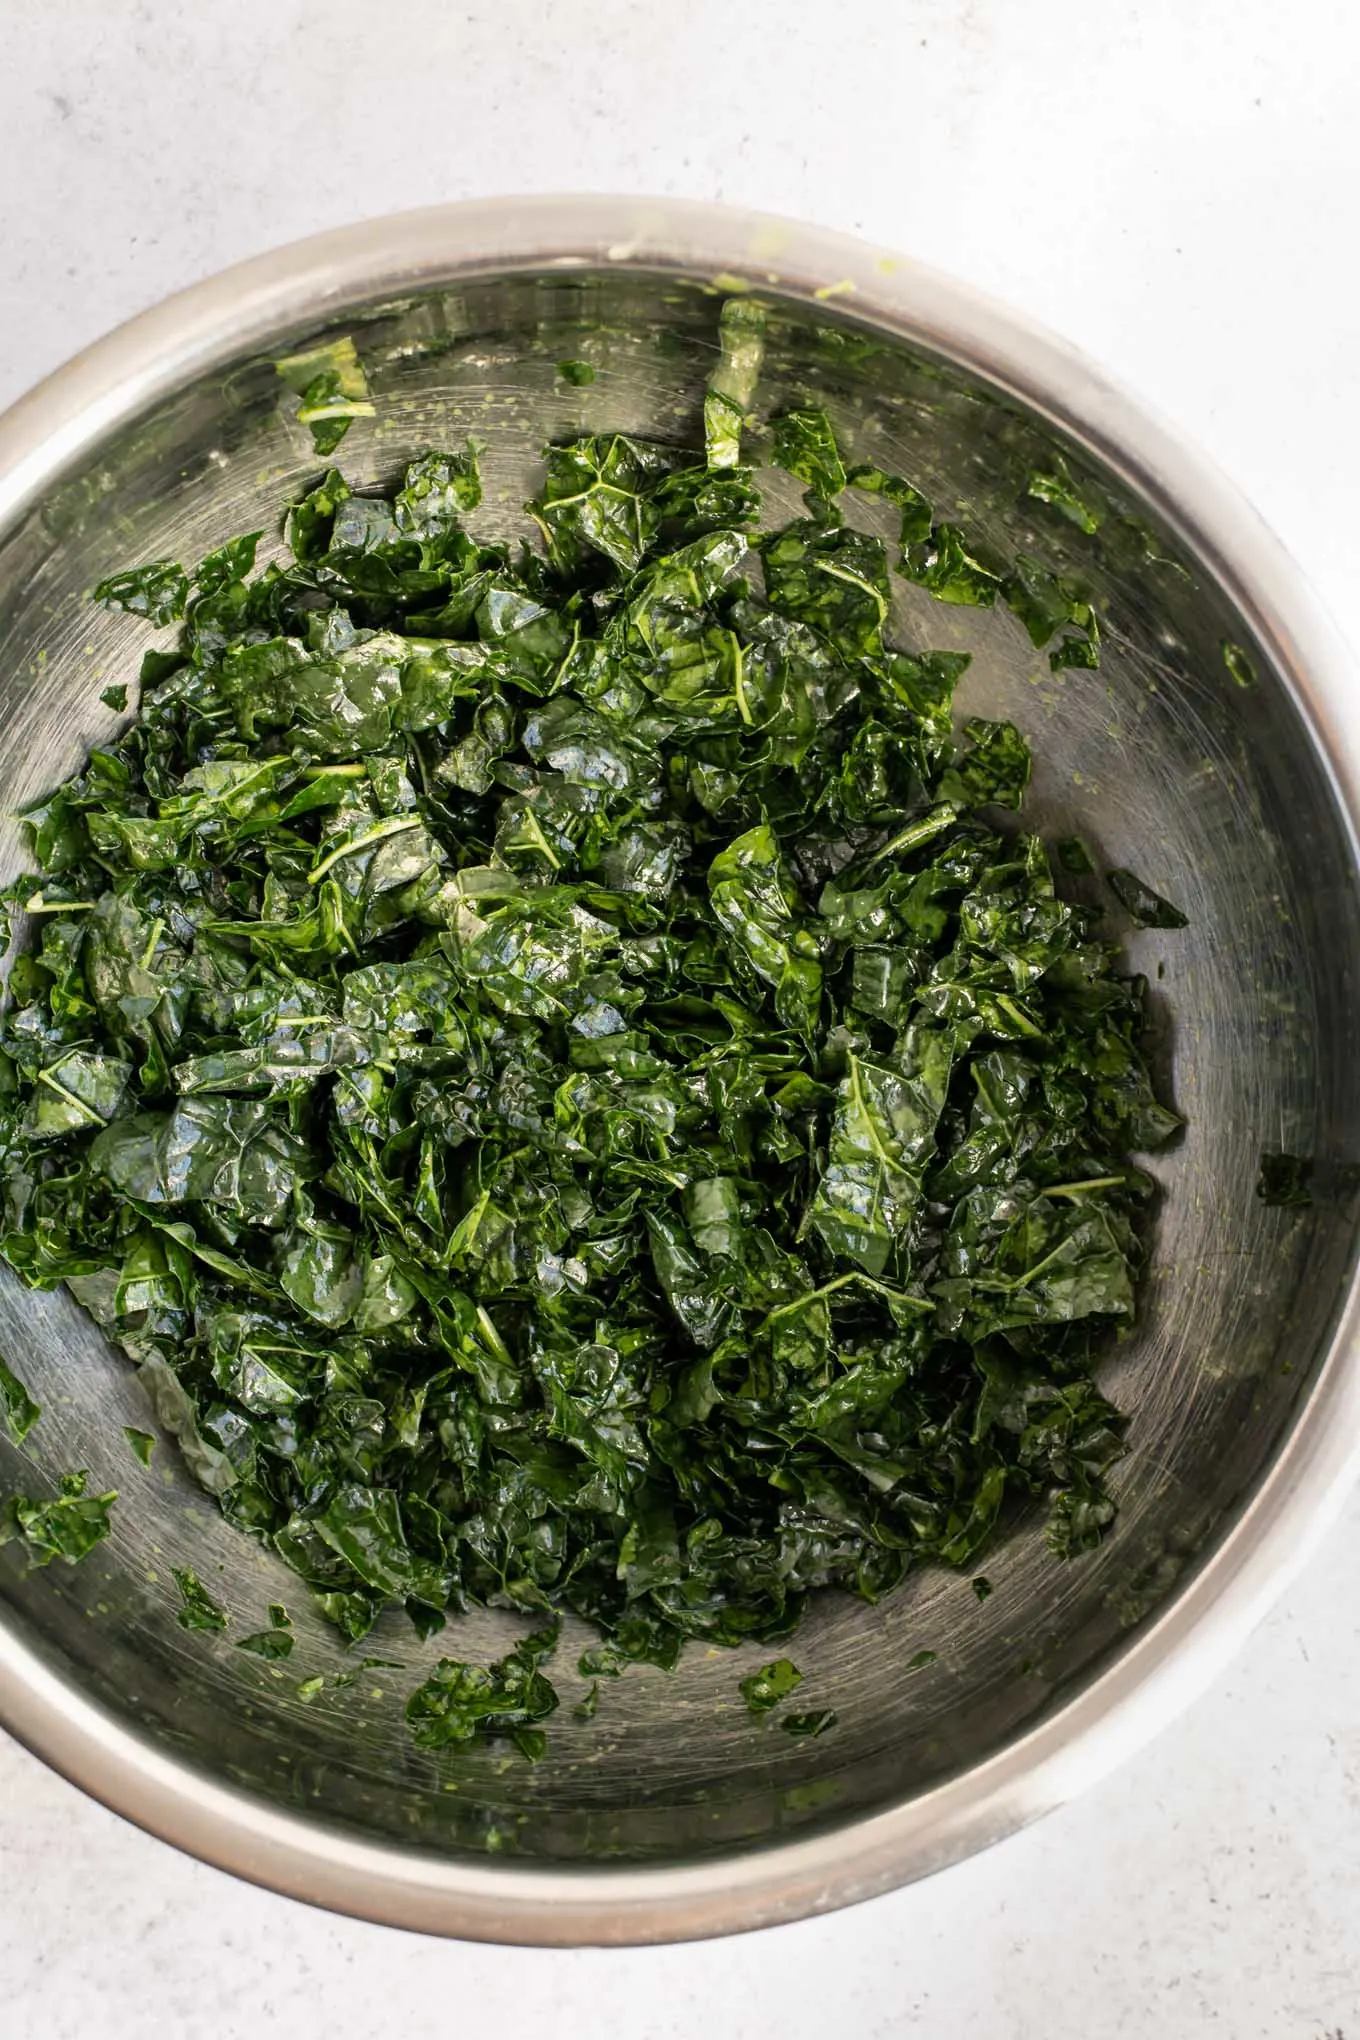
[912, 837]
[46, 1077]
[856, 581]
[738, 675]
[395, 827]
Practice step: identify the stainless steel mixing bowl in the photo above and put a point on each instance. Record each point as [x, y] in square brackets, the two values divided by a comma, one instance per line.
[1230, 784]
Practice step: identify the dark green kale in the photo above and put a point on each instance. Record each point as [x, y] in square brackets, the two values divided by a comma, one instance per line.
[157, 591]
[1056, 487]
[587, 1708]
[945, 563]
[561, 1072]
[198, 1609]
[916, 514]
[940, 557]
[272, 1644]
[1285, 1180]
[816, 1723]
[459, 1703]
[1074, 857]
[1048, 606]
[805, 445]
[579, 374]
[1142, 904]
[18, 1411]
[765, 1689]
[68, 1527]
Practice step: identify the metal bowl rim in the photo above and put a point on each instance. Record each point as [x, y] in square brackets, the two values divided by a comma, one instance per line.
[1177, 1654]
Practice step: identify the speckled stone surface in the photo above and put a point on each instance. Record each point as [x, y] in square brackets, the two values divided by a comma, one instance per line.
[1173, 188]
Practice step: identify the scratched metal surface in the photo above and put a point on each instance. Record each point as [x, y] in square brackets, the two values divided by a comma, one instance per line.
[1209, 790]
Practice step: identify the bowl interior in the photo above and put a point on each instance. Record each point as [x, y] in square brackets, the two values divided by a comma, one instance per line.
[1199, 772]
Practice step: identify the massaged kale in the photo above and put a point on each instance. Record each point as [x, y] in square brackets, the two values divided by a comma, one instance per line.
[68, 1527]
[565, 1075]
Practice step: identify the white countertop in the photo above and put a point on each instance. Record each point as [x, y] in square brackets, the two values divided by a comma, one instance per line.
[1181, 200]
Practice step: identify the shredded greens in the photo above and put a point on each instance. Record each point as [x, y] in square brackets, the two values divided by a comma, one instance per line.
[763, 1690]
[18, 1411]
[460, 1702]
[66, 1527]
[1146, 908]
[561, 1068]
[197, 1609]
